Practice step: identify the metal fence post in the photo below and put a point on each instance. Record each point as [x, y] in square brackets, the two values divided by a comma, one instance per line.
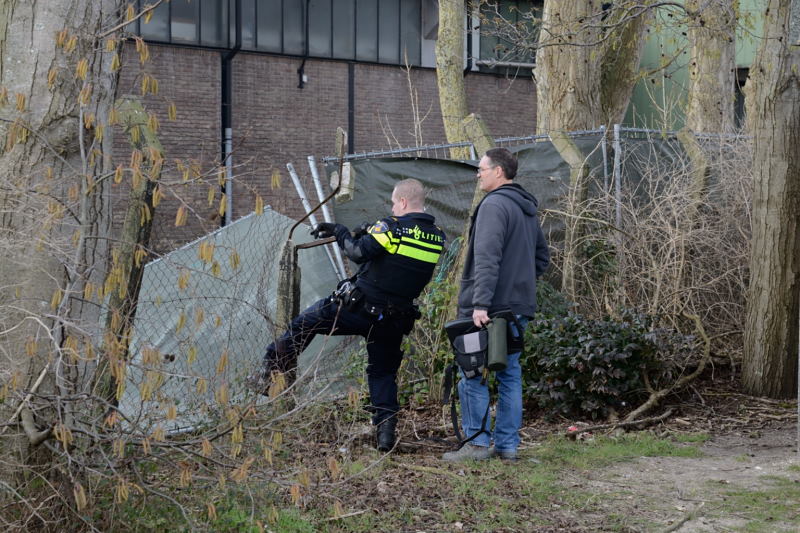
[326, 214]
[311, 218]
[618, 211]
[604, 150]
[617, 177]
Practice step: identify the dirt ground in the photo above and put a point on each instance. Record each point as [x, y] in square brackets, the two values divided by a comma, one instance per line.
[688, 494]
[746, 476]
[750, 443]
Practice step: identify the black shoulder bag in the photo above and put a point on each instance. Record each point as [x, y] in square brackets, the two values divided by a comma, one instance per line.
[471, 353]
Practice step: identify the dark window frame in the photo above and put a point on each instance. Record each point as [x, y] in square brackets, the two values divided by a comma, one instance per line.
[508, 71]
[395, 57]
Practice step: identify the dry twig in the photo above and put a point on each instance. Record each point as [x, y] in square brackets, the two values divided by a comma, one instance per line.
[622, 424]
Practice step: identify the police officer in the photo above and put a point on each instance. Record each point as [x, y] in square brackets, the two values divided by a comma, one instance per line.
[397, 255]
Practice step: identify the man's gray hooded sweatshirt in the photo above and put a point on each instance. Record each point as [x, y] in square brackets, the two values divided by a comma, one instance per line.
[507, 252]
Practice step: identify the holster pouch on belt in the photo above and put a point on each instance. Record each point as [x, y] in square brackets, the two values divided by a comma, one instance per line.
[348, 295]
[373, 310]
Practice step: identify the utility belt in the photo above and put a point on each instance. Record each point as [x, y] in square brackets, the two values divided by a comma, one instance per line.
[353, 299]
[478, 351]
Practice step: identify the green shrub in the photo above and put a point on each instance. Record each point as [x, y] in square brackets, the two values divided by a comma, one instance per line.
[427, 348]
[578, 366]
[550, 302]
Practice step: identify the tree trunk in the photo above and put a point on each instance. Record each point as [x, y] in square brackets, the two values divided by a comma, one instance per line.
[127, 265]
[450, 73]
[55, 214]
[477, 133]
[56, 92]
[567, 65]
[459, 125]
[700, 173]
[712, 68]
[773, 109]
[568, 92]
[621, 55]
[576, 199]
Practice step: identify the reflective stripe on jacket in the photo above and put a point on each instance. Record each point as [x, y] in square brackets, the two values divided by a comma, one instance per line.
[412, 245]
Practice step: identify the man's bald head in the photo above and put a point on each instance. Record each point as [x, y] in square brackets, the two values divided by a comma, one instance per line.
[408, 197]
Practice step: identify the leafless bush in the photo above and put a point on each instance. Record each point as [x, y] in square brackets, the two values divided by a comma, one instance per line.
[98, 468]
[71, 458]
[669, 244]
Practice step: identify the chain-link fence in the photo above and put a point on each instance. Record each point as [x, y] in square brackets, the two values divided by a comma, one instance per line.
[205, 315]
[205, 311]
[451, 184]
[680, 204]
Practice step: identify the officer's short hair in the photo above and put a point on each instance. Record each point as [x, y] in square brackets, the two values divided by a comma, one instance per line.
[505, 160]
[412, 190]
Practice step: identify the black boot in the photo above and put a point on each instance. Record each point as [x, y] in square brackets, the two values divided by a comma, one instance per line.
[385, 434]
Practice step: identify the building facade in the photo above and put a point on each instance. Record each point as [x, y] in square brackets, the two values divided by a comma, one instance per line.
[280, 86]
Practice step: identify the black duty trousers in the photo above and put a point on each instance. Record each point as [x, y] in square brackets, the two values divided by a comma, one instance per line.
[383, 336]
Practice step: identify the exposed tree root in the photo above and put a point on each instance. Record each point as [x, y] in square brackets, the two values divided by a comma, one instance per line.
[624, 424]
[657, 395]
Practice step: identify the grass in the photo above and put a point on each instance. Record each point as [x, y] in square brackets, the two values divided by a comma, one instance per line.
[291, 521]
[523, 496]
[493, 495]
[779, 502]
[238, 508]
[421, 493]
[694, 438]
[602, 452]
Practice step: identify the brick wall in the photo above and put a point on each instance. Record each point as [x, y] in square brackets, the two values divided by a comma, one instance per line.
[276, 122]
[507, 105]
[191, 80]
[383, 105]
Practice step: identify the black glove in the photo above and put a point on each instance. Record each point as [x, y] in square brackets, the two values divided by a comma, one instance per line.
[324, 230]
[362, 230]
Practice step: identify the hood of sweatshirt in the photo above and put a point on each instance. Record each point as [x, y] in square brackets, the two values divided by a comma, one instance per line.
[523, 198]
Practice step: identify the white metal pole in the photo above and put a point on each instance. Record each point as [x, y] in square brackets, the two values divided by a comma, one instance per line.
[617, 176]
[311, 218]
[604, 149]
[326, 214]
[228, 176]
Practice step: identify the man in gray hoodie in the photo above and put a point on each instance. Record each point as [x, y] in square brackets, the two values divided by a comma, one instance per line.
[507, 252]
